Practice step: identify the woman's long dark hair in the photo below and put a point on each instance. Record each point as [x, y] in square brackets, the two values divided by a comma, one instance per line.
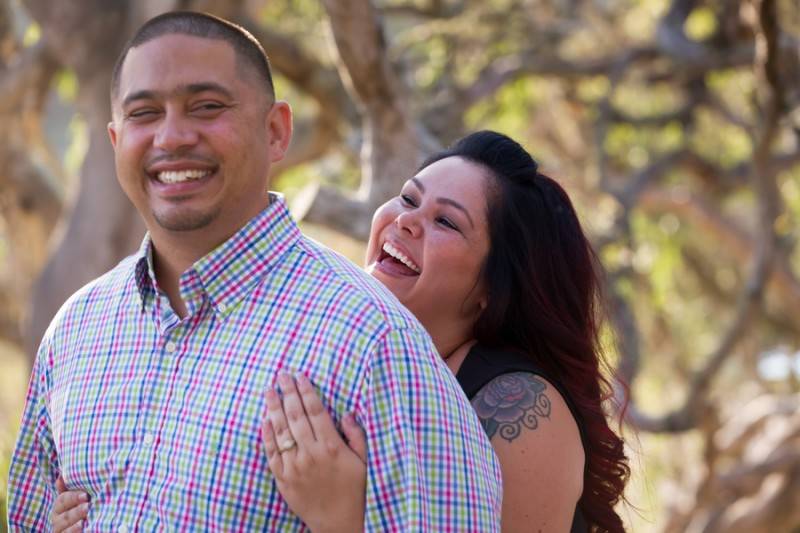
[543, 294]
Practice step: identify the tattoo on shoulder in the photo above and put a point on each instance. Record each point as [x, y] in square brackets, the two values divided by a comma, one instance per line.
[510, 403]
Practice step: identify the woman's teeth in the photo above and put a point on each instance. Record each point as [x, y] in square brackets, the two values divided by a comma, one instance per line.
[177, 176]
[394, 252]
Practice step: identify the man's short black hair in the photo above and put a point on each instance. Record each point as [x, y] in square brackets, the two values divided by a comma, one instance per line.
[249, 51]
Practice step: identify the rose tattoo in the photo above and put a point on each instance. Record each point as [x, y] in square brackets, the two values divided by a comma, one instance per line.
[511, 402]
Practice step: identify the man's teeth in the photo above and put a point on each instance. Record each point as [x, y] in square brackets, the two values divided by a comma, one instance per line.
[177, 176]
[394, 252]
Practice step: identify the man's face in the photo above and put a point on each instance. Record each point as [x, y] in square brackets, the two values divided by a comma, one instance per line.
[194, 135]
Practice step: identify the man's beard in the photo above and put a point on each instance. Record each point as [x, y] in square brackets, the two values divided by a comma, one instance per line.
[185, 220]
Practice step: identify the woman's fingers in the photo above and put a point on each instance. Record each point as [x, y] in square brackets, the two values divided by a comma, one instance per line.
[294, 412]
[321, 421]
[283, 436]
[69, 509]
[69, 499]
[356, 438]
[77, 528]
[71, 516]
[271, 447]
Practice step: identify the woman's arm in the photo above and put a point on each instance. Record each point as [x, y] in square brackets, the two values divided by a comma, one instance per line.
[538, 443]
[322, 478]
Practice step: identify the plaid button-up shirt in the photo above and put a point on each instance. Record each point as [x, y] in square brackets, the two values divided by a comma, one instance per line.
[158, 418]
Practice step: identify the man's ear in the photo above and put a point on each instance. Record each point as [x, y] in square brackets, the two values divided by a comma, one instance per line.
[112, 134]
[279, 125]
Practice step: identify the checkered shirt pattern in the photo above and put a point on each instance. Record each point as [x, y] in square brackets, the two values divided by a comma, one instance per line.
[158, 418]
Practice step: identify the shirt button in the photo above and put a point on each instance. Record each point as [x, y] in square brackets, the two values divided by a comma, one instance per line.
[221, 308]
[170, 347]
[148, 438]
[123, 529]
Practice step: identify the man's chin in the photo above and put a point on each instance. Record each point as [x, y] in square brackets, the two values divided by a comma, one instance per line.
[185, 220]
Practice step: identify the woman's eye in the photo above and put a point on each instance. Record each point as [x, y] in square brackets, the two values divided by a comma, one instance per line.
[447, 223]
[409, 201]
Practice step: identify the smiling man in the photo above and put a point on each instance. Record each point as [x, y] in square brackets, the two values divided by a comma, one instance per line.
[147, 392]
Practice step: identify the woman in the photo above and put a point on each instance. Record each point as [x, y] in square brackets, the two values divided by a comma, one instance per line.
[489, 255]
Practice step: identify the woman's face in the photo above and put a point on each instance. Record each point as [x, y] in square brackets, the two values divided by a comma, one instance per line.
[428, 244]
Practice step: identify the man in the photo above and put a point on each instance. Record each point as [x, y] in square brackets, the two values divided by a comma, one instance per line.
[147, 391]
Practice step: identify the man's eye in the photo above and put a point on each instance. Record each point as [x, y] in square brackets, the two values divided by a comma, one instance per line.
[142, 113]
[409, 201]
[208, 107]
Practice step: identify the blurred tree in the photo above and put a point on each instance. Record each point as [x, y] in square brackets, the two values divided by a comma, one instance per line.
[675, 125]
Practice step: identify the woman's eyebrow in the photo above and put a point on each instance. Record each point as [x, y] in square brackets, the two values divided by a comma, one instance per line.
[458, 206]
[447, 201]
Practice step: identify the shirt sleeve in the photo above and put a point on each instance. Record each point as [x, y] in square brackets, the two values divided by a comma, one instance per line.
[34, 464]
[430, 466]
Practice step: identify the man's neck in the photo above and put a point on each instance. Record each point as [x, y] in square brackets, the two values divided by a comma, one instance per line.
[174, 253]
[168, 264]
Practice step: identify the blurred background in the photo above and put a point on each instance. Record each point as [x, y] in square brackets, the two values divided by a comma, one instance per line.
[673, 124]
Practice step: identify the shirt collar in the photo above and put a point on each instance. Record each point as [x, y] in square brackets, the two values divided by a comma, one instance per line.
[145, 275]
[231, 270]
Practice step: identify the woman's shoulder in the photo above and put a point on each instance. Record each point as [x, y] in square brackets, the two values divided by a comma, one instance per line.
[537, 441]
[515, 404]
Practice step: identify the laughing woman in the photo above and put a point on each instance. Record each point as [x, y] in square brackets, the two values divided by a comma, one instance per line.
[489, 255]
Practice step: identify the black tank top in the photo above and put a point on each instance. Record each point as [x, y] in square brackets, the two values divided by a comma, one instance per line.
[482, 365]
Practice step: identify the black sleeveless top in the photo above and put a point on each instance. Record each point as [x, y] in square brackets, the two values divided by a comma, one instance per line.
[482, 365]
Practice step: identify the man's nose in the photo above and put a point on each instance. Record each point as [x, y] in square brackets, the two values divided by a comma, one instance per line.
[175, 132]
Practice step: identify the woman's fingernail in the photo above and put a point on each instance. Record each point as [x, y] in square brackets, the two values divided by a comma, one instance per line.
[285, 379]
[84, 497]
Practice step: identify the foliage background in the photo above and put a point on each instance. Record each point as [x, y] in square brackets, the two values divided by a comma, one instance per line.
[673, 124]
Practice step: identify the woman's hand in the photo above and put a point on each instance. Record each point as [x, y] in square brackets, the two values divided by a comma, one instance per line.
[69, 510]
[322, 478]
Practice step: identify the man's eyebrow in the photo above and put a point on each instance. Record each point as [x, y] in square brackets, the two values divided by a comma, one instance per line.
[458, 206]
[191, 88]
[194, 88]
[138, 95]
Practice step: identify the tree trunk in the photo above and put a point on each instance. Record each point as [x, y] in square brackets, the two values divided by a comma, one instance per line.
[102, 225]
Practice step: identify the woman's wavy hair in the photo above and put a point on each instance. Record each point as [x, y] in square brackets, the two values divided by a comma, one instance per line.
[543, 299]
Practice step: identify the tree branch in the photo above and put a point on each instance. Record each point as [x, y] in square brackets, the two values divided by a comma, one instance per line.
[686, 416]
[391, 148]
[27, 77]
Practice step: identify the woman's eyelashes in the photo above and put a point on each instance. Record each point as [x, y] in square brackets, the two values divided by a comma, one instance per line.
[446, 222]
[408, 200]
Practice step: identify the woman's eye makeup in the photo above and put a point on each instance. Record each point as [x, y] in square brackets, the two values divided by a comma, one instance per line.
[444, 221]
[408, 200]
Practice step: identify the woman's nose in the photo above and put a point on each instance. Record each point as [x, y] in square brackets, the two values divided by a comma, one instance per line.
[408, 221]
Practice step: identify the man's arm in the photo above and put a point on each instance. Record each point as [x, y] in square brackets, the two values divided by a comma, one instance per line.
[430, 466]
[34, 464]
